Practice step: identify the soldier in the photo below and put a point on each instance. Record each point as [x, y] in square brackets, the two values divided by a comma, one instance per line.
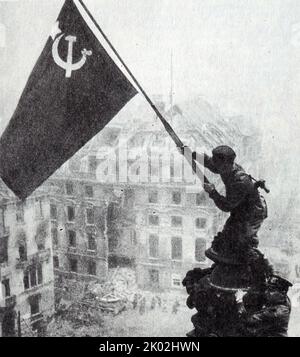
[200, 297]
[267, 313]
[246, 206]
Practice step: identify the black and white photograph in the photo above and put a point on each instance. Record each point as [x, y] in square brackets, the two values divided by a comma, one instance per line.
[149, 169]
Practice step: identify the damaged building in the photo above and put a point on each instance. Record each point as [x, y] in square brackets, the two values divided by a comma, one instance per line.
[26, 265]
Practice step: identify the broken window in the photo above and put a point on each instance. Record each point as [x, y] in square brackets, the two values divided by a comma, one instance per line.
[69, 188]
[176, 221]
[176, 248]
[92, 268]
[32, 276]
[3, 250]
[73, 265]
[153, 220]
[26, 280]
[90, 216]
[34, 305]
[89, 191]
[176, 198]
[153, 246]
[200, 247]
[153, 197]
[92, 245]
[71, 213]
[72, 238]
[6, 288]
[53, 212]
[201, 223]
[40, 274]
[23, 252]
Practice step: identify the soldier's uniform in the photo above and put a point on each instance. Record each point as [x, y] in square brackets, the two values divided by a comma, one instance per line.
[271, 316]
[246, 206]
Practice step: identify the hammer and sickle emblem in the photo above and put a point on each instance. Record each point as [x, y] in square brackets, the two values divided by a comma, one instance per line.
[68, 65]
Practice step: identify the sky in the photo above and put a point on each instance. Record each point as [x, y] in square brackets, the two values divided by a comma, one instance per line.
[241, 55]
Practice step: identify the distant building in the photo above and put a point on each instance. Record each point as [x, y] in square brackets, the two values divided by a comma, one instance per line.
[175, 228]
[26, 265]
[162, 225]
[78, 211]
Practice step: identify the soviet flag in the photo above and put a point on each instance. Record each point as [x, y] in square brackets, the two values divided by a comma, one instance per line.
[74, 90]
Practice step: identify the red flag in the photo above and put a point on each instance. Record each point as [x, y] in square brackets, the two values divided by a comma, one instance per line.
[74, 90]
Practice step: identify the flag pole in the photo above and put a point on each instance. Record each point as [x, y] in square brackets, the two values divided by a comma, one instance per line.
[166, 125]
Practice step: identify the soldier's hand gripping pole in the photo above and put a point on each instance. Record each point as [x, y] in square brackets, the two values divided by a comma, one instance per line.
[166, 125]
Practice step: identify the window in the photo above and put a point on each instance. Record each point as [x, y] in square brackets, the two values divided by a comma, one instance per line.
[153, 220]
[92, 268]
[40, 274]
[176, 221]
[200, 199]
[26, 280]
[176, 198]
[73, 265]
[92, 245]
[72, 238]
[92, 164]
[54, 235]
[3, 250]
[23, 252]
[153, 246]
[90, 216]
[69, 188]
[6, 288]
[200, 247]
[154, 279]
[32, 276]
[20, 212]
[53, 212]
[153, 197]
[201, 223]
[172, 169]
[176, 248]
[71, 213]
[34, 305]
[55, 262]
[38, 209]
[176, 281]
[89, 191]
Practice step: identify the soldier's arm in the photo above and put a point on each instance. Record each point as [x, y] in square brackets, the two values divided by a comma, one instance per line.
[234, 197]
[204, 160]
[270, 314]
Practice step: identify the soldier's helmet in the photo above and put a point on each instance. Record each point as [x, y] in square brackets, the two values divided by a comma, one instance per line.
[224, 153]
[278, 281]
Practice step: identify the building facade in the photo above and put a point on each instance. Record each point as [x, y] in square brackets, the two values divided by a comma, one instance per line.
[26, 265]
